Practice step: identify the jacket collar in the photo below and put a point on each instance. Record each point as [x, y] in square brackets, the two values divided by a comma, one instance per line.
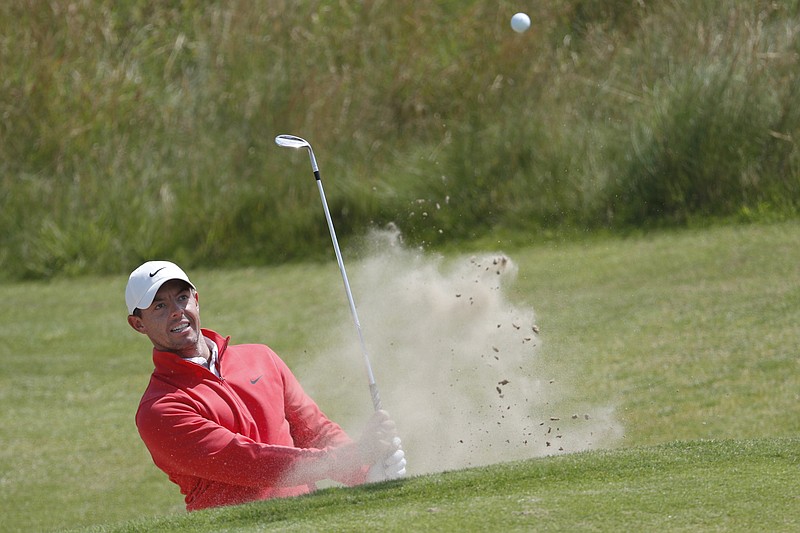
[171, 363]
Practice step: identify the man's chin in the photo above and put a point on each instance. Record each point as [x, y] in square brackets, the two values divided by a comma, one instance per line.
[184, 344]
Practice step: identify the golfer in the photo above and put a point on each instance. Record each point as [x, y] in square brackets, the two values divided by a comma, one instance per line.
[230, 423]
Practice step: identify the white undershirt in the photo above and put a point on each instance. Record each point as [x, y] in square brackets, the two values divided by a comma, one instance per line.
[211, 363]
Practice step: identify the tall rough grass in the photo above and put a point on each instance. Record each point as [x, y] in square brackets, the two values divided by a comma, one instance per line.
[143, 129]
[720, 134]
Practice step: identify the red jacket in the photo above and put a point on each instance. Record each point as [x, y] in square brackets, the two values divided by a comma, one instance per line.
[250, 435]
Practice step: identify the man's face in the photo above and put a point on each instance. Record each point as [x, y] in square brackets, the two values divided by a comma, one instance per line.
[172, 322]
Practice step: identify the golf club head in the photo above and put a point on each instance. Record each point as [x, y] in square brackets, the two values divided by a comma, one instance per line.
[293, 141]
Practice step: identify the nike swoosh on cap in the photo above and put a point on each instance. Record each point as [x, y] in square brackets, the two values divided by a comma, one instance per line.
[157, 271]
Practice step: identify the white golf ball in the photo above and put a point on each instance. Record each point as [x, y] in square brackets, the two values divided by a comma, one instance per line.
[520, 22]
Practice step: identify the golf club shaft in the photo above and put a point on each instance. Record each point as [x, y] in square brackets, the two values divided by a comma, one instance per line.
[373, 387]
[292, 141]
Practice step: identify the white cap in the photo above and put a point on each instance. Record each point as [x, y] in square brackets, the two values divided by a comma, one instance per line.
[144, 282]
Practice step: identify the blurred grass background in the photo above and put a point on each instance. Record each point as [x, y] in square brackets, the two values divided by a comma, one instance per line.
[134, 130]
[140, 129]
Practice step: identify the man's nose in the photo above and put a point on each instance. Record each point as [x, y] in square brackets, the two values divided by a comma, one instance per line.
[176, 309]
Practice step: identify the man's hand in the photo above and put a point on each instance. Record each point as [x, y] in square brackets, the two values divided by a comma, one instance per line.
[382, 448]
[376, 443]
[393, 467]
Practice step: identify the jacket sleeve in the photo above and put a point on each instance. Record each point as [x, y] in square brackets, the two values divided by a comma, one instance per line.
[182, 441]
[311, 429]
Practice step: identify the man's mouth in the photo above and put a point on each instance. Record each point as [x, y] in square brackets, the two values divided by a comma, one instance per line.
[179, 329]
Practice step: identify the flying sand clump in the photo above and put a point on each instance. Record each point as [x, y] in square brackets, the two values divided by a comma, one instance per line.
[455, 361]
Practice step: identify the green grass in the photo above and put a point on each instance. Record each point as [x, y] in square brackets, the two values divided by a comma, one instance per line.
[696, 486]
[131, 129]
[691, 337]
[693, 330]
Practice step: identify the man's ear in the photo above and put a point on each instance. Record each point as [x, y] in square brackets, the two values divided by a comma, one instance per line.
[136, 323]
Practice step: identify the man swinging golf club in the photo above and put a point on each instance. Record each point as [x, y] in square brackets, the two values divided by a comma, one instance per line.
[230, 423]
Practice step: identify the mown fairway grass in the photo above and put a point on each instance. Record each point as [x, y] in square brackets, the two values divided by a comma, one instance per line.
[689, 335]
[694, 334]
[697, 486]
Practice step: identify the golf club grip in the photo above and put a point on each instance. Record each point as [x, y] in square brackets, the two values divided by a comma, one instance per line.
[376, 396]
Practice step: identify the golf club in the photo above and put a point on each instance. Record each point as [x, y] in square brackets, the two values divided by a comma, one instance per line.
[291, 141]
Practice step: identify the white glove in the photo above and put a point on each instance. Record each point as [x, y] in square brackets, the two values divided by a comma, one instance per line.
[393, 467]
